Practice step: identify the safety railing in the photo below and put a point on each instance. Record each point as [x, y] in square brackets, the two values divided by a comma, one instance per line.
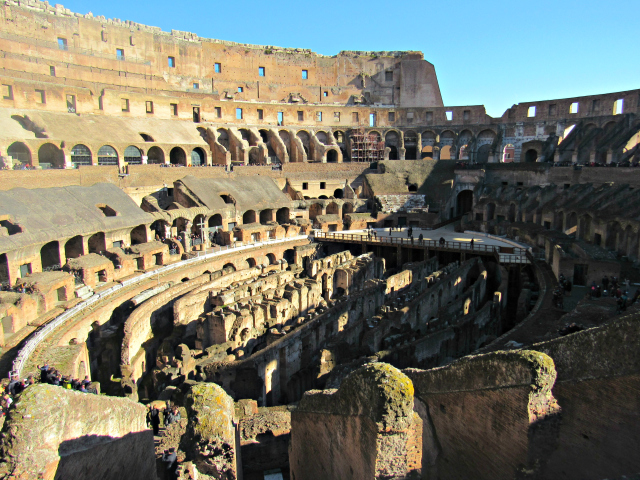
[34, 340]
[451, 245]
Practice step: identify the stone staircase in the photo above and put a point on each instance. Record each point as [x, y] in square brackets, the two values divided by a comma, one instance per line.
[83, 291]
[401, 202]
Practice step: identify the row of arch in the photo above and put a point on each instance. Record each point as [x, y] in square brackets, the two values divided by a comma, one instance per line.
[51, 154]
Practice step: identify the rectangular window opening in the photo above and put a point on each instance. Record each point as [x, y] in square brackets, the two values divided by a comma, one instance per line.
[196, 114]
[449, 115]
[217, 67]
[280, 118]
[325, 94]
[261, 71]
[466, 115]
[305, 74]
[323, 185]
[62, 43]
[149, 106]
[318, 116]
[174, 109]
[52, 71]
[196, 86]
[120, 53]
[40, 97]
[388, 76]
[552, 110]
[172, 62]
[355, 117]
[409, 117]
[260, 114]
[240, 89]
[392, 116]
[595, 105]
[531, 112]
[71, 103]
[618, 106]
[7, 92]
[218, 112]
[429, 116]
[372, 119]
[336, 116]
[125, 104]
[300, 116]
[305, 186]
[573, 108]
[238, 114]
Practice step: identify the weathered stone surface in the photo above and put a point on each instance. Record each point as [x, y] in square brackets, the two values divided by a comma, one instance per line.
[62, 433]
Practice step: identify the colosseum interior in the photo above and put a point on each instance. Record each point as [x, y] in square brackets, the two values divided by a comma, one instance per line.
[329, 273]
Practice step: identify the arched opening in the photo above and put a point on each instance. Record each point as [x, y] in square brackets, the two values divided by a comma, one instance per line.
[107, 155]
[180, 224]
[50, 156]
[531, 155]
[393, 153]
[229, 267]
[215, 220]
[255, 156]
[337, 193]
[347, 208]
[147, 138]
[427, 152]
[50, 255]
[286, 139]
[155, 156]
[392, 142]
[249, 217]
[305, 139]
[283, 215]
[264, 135]
[508, 153]
[80, 155]
[332, 156]
[251, 262]
[198, 157]
[512, 212]
[73, 248]
[464, 202]
[482, 156]
[266, 216]
[410, 145]
[333, 209]
[97, 243]
[491, 211]
[428, 144]
[139, 235]
[223, 138]
[445, 152]
[289, 255]
[228, 199]
[412, 187]
[198, 225]
[132, 155]
[271, 258]
[315, 210]
[177, 156]
[20, 153]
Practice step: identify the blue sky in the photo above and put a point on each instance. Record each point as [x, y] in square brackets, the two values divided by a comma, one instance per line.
[495, 53]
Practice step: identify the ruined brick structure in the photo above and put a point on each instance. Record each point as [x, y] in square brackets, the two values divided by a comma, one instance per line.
[328, 271]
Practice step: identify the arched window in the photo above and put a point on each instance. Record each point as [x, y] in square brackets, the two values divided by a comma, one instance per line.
[81, 155]
[198, 157]
[107, 155]
[19, 152]
[132, 155]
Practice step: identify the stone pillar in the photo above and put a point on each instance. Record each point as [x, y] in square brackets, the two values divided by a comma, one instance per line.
[574, 156]
[6, 161]
[419, 146]
[592, 156]
[609, 156]
[67, 159]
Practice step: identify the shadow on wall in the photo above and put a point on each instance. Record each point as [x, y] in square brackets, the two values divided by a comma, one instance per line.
[107, 458]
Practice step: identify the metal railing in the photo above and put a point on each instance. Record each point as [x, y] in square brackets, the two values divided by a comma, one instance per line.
[461, 246]
[42, 333]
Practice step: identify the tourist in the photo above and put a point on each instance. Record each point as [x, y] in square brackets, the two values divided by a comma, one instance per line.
[170, 459]
[420, 238]
[153, 419]
[442, 241]
[472, 244]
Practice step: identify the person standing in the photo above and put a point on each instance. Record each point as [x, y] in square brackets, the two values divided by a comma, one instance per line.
[472, 244]
[153, 419]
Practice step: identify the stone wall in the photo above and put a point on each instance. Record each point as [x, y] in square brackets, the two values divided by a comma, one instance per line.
[60, 433]
[365, 429]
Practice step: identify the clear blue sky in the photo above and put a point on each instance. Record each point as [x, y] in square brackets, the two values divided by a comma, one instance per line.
[496, 53]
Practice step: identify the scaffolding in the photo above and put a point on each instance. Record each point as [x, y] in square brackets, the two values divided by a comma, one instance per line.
[366, 147]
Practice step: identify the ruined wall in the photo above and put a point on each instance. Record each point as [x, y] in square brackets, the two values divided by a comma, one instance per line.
[67, 434]
[365, 429]
[488, 416]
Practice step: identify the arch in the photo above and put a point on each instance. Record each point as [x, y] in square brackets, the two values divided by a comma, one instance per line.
[286, 139]
[132, 155]
[229, 267]
[271, 258]
[464, 153]
[464, 202]
[255, 156]
[333, 209]
[222, 137]
[392, 142]
[339, 136]
[139, 235]
[264, 135]
[427, 152]
[445, 152]
[283, 215]
[215, 220]
[412, 187]
[314, 210]
[196, 229]
[247, 137]
[323, 138]
[74, 248]
[289, 255]
[393, 152]
[146, 137]
[155, 156]
[80, 155]
[508, 153]
[251, 262]
[97, 243]
[482, 155]
[347, 208]
[50, 254]
[338, 193]
[332, 156]
[50, 154]
[177, 156]
[249, 217]
[107, 155]
[491, 210]
[266, 216]
[410, 145]
[20, 152]
[531, 155]
[198, 157]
